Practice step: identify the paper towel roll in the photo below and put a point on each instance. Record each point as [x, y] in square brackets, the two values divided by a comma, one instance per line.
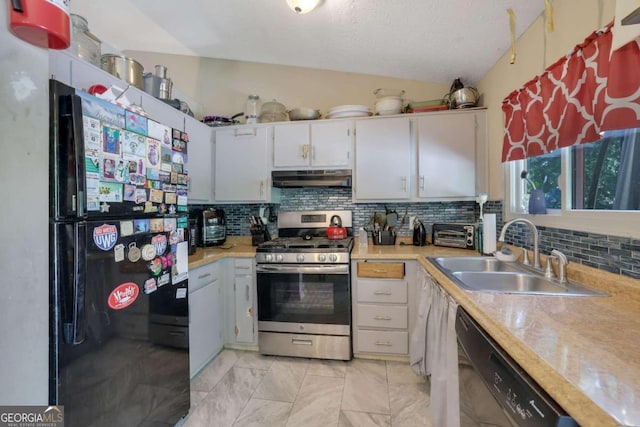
[489, 234]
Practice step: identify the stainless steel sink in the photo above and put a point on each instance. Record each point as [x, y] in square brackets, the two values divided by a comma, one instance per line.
[474, 263]
[483, 274]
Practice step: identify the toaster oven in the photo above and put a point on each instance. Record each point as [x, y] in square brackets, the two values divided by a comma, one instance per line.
[454, 235]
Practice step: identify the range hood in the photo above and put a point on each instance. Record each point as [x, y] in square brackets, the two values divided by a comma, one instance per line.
[311, 178]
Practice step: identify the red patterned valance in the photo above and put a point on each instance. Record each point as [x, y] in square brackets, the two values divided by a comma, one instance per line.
[584, 93]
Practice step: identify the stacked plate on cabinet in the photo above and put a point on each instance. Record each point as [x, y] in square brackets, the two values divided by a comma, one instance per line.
[344, 111]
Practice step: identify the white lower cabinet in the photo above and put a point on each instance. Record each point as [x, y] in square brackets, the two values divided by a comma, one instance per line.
[244, 302]
[205, 316]
[381, 303]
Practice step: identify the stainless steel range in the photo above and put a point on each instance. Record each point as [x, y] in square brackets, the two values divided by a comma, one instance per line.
[304, 288]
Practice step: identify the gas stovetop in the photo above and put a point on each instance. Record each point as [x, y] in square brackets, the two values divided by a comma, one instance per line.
[318, 244]
[317, 250]
[303, 239]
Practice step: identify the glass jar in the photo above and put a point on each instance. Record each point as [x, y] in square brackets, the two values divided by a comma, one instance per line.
[252, 109]
[84, 44]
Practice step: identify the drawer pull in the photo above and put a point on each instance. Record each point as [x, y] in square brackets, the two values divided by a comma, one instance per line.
[301, 342]
[378, 270]
[382, 293]
[204, 275]
[384, 344]
[239, 267]
[382, 317]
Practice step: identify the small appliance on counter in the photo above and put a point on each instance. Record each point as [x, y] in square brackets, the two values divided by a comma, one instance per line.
[454, 235]
[419, 233]
[212, 227]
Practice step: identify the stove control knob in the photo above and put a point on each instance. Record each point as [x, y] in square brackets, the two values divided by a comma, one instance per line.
[300, 258]
[268, 257]
[333, 257]
[279, 258]
[322, 257]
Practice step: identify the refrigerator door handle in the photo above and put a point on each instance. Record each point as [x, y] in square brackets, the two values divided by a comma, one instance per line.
[79, 155]
[74, 322]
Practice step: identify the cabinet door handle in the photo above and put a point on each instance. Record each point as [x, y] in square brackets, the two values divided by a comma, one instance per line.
[246, 132]
[384, 343]
[261, 188]
[204, 275]
[422, 182]
[404, 184]
[301, 342]
[382, 318]
[247, 292]
[242, 268]
[382, 293]
[313, 153]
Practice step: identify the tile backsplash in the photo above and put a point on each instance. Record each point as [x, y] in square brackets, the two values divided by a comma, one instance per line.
[611, 253]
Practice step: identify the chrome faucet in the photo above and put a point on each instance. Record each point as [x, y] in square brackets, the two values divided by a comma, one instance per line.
[562, 263]
[534, 233]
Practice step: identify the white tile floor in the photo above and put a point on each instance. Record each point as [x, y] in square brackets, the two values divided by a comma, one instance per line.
[242, 388]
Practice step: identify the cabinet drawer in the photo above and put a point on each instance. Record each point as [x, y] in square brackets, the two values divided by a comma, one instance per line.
[244, 265]
[396, 342]
[202, 276]
[382, 316]
[381, 270]
[392, 291]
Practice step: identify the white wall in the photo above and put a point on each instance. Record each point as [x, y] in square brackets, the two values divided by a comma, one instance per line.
[221, 86]
[536, 50]
[24, 200]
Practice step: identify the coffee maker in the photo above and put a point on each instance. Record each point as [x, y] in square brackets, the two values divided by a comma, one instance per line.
[212, 227]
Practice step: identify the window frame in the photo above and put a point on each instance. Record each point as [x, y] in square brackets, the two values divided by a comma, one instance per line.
[606, 222]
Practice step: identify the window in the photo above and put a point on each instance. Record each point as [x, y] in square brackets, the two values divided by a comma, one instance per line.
[591, 187]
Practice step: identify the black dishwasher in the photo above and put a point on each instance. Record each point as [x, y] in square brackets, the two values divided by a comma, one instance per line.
[517, 399]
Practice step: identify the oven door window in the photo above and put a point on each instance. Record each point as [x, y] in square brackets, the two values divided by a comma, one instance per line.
[304, 298]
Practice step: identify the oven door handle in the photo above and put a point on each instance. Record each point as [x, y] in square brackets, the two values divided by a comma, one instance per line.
[303, 269]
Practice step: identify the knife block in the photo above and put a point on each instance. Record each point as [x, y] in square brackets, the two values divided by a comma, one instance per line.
[259, 235]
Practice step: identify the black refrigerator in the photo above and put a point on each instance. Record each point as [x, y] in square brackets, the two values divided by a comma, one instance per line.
[118, 244]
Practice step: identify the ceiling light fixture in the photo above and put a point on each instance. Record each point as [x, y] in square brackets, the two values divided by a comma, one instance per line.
[302, 6]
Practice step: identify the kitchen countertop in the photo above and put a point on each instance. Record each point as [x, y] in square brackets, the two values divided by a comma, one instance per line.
[584, 351]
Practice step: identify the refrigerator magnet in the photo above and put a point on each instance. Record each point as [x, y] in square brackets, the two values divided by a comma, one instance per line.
[153, 153]
[181, 293]
[155, 267]
[126, 228]
[159, 131]
[156, 196]
[129, 194]
[105, 236]
[134, 253]
[141, 226]
[118, 252]
[123, 296]
[157, 225]
[169, 224]
[133, 144]
[150, 286]
[149, 207]
[160, 243]
[164, 279]
[148, 252]
[170, 198]
[110, 140]
[135, 123]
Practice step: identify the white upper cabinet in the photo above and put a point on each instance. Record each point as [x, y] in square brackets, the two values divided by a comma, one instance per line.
[447, 155]
[241, 173]
[383, 159]
[319, 144]
[200, 161]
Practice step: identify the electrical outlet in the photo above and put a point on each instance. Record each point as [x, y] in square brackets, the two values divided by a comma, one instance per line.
[412, 220]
